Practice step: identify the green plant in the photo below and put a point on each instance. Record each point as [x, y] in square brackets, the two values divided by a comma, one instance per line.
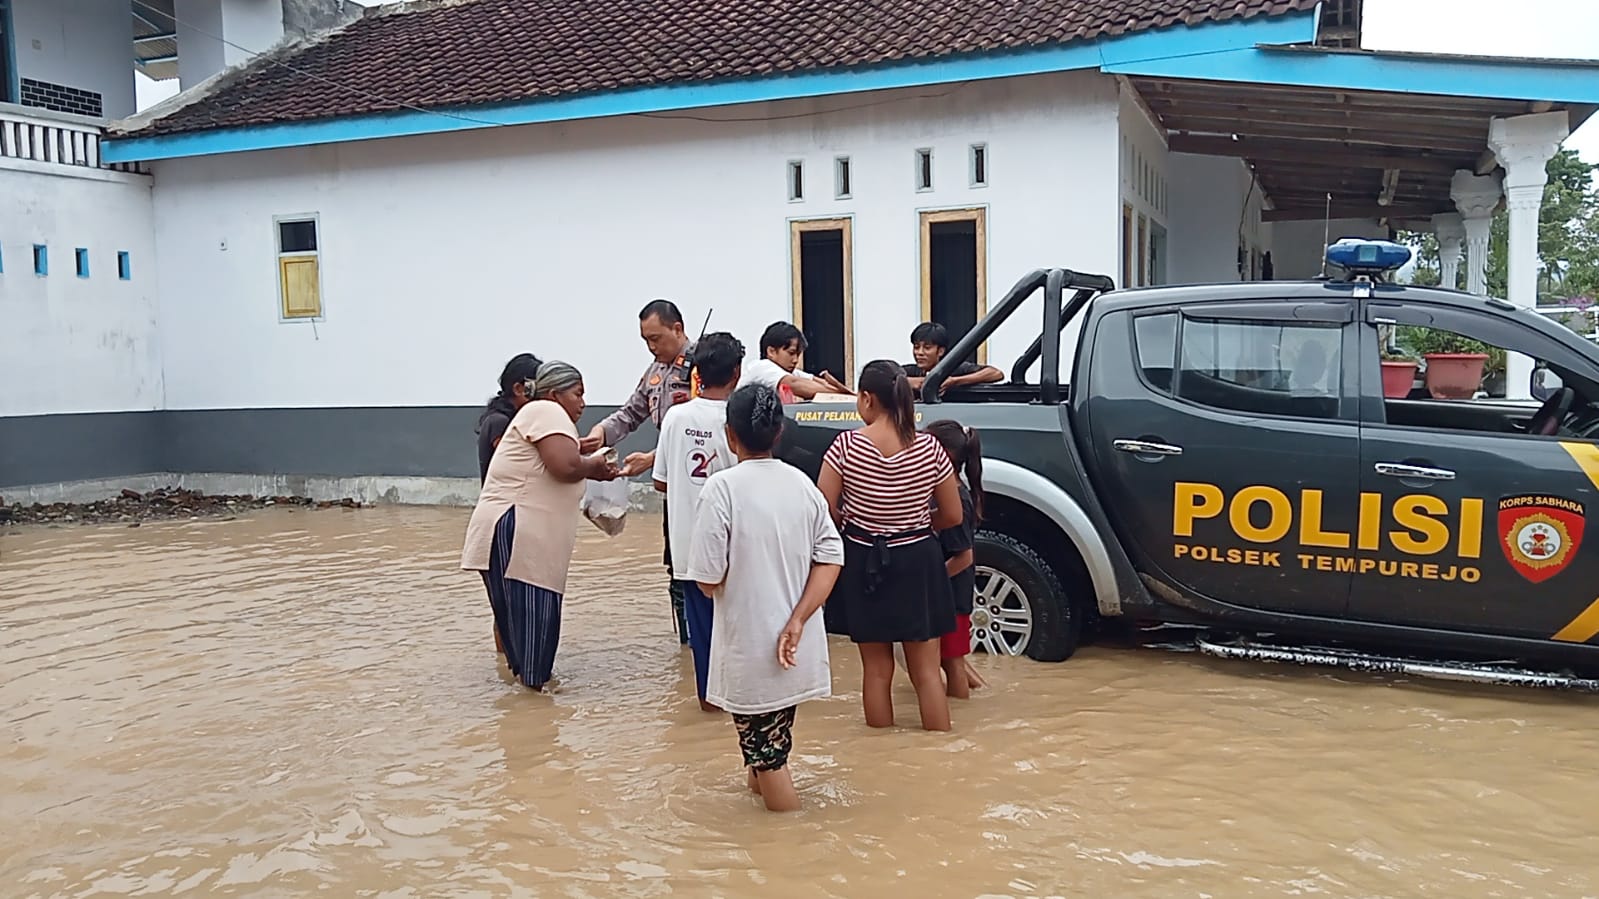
[1496, 362]
[1434, 341]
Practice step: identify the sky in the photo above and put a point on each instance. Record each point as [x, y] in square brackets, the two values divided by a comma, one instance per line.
[1548, 28]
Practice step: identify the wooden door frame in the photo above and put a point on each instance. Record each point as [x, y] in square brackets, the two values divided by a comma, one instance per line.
[928, 218]
[797, 227]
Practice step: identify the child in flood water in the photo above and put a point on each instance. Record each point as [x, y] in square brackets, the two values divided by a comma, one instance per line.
[768, 577]
[693, 446]
[965, 450]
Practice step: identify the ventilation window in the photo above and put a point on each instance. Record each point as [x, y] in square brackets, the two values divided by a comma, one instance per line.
[796, 181]
[81, 257]
[979, 165]
[41, 260]
[841, 188]
[124, 265]
[924, 169]
[299, 270]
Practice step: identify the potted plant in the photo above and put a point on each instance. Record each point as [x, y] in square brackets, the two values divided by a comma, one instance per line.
[1454, 362]
[1398, 373]
[1493, 372]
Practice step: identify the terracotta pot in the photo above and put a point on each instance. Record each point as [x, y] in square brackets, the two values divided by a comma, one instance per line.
[1454, 376]
[1397, 378]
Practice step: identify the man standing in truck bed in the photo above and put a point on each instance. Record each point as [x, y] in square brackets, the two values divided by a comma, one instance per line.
[665, 383]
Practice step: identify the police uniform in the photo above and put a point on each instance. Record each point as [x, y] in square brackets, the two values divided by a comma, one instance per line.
[664, 385]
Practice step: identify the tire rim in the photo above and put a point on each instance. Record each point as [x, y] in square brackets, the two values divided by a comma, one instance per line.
[1002, 616]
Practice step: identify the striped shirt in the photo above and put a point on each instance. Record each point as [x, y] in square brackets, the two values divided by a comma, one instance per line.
[888, 495]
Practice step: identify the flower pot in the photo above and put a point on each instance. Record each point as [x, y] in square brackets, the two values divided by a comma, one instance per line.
[1454, 376]
[1397, 378]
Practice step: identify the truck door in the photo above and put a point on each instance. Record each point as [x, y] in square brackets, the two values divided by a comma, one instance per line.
[1468, 522]
[1228, 439]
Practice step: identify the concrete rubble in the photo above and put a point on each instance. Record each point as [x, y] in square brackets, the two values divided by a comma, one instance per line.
[164, 504]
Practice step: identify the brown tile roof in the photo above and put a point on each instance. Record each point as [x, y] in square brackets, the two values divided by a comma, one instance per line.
[457, 53]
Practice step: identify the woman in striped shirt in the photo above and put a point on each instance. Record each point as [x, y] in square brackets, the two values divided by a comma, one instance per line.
[879, 481]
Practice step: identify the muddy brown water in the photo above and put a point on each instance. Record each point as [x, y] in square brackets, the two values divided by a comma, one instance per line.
[309, 702]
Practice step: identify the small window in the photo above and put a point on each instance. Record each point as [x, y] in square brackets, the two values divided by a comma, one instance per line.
[979, 165]
[796, 181]
[297, 237]
[299, 270]
[924, 169]
[1155, 336]
[1265, 368]
[81, 258]
[41, 260]
[841, 188]
[124, 265]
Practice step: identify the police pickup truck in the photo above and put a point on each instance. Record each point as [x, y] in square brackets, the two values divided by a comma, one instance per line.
[1222, 460]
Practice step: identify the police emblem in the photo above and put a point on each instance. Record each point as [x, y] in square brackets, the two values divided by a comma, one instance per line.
[1540, 534]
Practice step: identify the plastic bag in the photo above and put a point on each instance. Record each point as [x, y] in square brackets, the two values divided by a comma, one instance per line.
[605, 504]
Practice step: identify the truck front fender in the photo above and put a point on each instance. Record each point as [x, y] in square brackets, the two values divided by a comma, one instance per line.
[1010, 480]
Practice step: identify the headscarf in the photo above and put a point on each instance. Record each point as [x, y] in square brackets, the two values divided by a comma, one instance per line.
[553, 376]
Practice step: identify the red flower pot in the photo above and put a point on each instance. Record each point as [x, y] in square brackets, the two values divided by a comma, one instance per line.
[1454, 376]
[1397, 378]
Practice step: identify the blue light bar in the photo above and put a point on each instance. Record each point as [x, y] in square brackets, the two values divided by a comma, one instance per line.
[1359, 256]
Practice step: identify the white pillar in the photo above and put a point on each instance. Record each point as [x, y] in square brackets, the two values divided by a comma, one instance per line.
[1450, 229]
[1524, 145]
[1476, 196]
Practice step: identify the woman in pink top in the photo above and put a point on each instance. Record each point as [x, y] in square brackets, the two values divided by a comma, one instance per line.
[880, 481]
[522, 532]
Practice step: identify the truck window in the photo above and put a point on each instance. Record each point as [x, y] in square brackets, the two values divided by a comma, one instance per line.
[1451, 376]
[1155, 336]
[1262, 367]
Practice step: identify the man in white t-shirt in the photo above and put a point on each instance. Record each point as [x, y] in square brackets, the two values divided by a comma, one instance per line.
[769, 574]
[692, 447]
[782, 346]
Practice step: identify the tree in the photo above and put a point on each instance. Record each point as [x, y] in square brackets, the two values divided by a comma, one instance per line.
[1568, 238]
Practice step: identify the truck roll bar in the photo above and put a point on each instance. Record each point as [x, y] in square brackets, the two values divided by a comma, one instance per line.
[1056, 315]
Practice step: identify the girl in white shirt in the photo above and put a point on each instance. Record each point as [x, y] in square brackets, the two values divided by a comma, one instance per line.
[768, 577]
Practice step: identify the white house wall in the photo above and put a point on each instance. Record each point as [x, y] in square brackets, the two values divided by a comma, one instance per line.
[1214, 207]
[441, 256]
[1145, 187]
[1298, 246]
[84, 44]
[74, 344]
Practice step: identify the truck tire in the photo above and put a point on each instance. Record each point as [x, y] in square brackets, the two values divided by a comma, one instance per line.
[1023, 593]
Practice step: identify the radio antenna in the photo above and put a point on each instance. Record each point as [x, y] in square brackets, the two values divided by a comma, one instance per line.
[1326, 234]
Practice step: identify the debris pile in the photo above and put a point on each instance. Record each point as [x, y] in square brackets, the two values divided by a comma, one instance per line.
[166, 504]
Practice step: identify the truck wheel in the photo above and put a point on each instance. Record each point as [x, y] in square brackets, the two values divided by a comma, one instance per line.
[1020, 607]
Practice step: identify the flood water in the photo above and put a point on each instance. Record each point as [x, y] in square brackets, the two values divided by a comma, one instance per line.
[310, 701]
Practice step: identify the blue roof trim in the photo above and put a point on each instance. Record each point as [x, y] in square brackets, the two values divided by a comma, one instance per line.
[1142, 48]
[1498, 79]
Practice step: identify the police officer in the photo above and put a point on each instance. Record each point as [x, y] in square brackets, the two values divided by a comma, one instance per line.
[665, 383]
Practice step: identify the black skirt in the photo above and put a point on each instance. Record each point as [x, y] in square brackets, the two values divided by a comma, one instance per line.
[904, 597]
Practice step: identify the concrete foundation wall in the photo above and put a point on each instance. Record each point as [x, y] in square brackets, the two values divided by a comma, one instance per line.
[409, 448]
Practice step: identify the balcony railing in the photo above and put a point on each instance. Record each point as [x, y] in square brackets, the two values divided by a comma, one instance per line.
[55, 138]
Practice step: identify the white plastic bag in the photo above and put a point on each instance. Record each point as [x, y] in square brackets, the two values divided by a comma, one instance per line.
[605, 503]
